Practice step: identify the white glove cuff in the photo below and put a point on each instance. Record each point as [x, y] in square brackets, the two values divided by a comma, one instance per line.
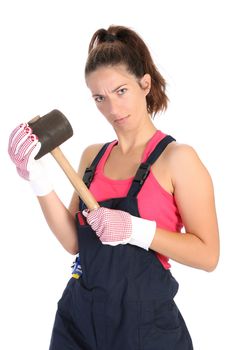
[41, 186]
[143, 232]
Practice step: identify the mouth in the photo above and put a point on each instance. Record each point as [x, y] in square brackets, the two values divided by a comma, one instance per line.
[121, 120]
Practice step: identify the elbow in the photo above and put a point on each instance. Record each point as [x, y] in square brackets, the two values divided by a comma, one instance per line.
[211, 253]
[72, 250]
[211, 264]
[210, 268]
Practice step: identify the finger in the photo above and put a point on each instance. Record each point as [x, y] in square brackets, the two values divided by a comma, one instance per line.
[23, 165]
[93, 216]
[18, 139]
[17, 130]
[25, 149]
[35, 147]
[85, 212]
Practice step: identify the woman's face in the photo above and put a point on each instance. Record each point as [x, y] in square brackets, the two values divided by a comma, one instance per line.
[119, 95]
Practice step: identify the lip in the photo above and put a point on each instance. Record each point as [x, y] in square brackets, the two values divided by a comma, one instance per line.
[121, 120]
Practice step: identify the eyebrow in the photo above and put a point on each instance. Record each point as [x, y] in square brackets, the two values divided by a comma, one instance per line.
[114, 90]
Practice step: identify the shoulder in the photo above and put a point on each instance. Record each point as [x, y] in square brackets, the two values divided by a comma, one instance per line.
[91, 151]
[89, 154]
[185, 164]
[181, 153]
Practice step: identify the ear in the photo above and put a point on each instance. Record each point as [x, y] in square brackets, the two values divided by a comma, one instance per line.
[145, 83]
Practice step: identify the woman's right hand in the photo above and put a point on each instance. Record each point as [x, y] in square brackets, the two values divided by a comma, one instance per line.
[22, 148]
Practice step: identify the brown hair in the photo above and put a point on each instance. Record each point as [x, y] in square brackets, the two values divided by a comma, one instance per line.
[122, 45]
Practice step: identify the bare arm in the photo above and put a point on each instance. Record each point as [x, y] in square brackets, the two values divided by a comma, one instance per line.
[194, 195]
[60, 219]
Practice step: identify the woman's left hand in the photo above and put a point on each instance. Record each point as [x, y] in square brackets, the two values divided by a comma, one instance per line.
[115, 227]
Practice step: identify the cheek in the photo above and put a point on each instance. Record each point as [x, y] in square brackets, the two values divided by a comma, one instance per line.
[102, 109]
[135, 103]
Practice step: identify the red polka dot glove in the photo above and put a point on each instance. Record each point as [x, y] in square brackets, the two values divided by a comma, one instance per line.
[115, 227]
[22, 148]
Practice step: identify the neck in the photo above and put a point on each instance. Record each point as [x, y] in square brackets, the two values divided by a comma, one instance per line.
[134, 139]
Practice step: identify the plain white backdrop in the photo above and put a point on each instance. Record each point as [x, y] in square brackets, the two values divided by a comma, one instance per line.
[43, 51]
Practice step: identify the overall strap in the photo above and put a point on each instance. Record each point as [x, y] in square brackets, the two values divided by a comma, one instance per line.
[144, 168]
[90, 171]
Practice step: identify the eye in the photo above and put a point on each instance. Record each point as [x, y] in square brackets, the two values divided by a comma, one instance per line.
[121, 91]
[99, 99]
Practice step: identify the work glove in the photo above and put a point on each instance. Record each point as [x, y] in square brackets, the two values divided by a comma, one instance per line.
[22, 148]
[115, 227]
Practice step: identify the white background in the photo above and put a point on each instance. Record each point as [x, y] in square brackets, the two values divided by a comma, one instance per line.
[43, 52]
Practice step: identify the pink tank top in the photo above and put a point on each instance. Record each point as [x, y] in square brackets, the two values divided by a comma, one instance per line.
[154, 202]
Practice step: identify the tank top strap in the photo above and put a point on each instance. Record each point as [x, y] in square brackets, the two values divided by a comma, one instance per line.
[144, 168]
[90, 171]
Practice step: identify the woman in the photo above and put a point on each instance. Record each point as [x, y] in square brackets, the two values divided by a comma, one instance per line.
[148, 187]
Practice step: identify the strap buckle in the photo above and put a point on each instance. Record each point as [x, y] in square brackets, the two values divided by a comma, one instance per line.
[142, 173]
[88, 175]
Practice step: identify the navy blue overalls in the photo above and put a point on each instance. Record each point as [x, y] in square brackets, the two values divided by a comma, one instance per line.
[124, 297]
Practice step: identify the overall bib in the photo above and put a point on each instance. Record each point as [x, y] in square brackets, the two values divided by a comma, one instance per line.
[124, 297]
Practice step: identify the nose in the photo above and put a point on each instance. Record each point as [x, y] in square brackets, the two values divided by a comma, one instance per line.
[113, 107]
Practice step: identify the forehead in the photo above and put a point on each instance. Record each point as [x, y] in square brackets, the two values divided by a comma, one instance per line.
[110, 77]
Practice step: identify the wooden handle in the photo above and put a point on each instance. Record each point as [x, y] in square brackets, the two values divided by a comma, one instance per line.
[74, 178]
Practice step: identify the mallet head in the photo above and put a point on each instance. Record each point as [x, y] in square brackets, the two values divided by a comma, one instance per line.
[52, 130]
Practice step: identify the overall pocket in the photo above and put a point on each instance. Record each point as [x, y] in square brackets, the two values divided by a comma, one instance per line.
[162, 328]
[64, 303]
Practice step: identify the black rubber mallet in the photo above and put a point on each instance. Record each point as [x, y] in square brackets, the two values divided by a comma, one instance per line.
[52, 130]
